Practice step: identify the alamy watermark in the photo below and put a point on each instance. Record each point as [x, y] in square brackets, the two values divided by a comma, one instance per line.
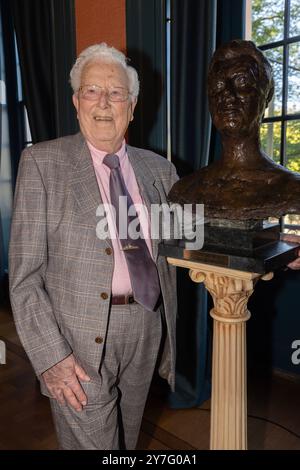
[167, 222]
[295, 357]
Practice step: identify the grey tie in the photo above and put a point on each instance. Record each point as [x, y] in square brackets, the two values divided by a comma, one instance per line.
[142, 269]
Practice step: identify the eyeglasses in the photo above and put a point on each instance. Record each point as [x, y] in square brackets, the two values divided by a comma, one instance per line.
[93, 93]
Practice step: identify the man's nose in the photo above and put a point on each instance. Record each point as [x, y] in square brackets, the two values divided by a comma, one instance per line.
[103, 100]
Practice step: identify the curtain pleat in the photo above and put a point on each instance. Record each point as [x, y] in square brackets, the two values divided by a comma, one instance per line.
[145, 37]
[45, 32]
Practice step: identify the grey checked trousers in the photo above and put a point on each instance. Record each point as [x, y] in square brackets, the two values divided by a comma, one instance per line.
[112, 417]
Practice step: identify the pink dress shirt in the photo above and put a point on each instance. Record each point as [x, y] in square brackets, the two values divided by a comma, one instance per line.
[121, 284]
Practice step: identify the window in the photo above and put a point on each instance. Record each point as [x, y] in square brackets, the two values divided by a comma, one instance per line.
[275, 29]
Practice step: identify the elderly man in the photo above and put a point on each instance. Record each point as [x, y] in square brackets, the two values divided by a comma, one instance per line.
[93, 313]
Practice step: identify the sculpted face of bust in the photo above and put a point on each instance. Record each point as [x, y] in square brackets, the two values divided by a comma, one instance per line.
[236, 99]
[245, 183]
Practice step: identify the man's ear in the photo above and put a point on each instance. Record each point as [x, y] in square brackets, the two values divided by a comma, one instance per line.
[75, 101]
[132, 107]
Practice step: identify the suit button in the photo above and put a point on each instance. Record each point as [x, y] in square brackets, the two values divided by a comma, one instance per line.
[104, 296]
[108, 251]
[98, 340]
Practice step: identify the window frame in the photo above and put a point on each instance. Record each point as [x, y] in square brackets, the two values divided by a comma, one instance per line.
[284, 116]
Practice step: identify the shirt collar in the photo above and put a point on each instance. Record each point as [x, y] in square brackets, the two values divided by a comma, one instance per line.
[100, 154]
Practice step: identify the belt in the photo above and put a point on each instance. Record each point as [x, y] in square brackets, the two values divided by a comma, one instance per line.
[122, 299]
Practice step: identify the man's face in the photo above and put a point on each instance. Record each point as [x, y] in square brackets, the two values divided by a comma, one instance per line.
[104, 122]
[236, 99]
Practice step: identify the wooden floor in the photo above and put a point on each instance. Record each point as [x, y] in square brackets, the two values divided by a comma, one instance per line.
[25, 420]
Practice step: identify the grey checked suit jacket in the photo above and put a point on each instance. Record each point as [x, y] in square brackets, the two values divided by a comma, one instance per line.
[58, 267]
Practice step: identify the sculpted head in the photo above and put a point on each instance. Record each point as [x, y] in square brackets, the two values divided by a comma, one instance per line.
[240, 86]
[244, 183]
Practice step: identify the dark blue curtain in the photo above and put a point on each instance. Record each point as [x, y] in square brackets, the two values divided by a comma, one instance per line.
[146, 48]
[45, 36]
[11, 135]
[198, 27]
[45, 32]
[230, 20]
[193, 32]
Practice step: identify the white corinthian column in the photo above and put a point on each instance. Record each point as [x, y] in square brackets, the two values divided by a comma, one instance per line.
[230, 290]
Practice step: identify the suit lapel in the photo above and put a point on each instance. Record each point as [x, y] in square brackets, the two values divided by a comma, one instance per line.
[148, 186]
[84, 183]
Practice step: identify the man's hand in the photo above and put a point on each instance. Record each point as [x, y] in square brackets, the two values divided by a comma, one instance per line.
[63, 384]
[294, 239]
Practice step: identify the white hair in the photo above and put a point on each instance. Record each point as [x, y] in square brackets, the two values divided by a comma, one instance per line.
[102, 52]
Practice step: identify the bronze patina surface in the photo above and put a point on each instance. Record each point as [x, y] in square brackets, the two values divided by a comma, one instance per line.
[245, 183]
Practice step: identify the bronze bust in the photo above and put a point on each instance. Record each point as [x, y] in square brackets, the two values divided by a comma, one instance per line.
[245, 184]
